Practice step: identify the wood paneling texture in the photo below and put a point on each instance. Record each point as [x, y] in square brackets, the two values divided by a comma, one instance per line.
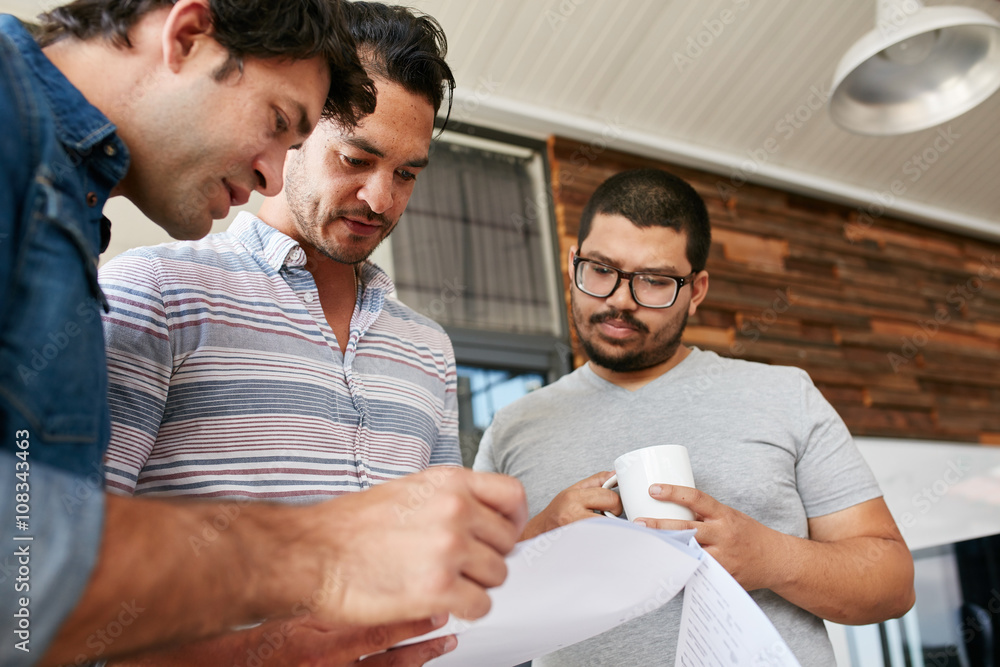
[898, 324]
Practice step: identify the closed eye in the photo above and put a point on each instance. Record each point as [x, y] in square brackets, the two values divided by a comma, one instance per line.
[281, 123]
[353, 161]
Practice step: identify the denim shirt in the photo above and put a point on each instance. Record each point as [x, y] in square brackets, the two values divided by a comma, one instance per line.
[59, 159]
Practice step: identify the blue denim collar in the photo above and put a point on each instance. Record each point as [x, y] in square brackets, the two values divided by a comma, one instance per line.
[79, 125]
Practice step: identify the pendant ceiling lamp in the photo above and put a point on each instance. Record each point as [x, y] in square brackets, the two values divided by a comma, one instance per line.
[919, 67]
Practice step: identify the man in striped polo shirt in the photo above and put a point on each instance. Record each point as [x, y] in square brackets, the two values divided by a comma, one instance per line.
[269, 362]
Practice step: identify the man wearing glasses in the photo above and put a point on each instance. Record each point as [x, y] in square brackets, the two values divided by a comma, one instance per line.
[784, 502]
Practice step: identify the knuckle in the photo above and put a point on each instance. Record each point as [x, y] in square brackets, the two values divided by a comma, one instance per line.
[439, 581]
[450, 505]
[478, 606]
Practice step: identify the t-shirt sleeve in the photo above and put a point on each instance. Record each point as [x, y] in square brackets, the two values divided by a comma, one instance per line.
[140, 362]
[484, 457]
[830, 472]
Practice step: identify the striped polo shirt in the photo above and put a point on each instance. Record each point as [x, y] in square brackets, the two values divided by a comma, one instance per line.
[227, 381]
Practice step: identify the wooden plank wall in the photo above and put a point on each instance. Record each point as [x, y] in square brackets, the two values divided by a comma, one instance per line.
[897, 323]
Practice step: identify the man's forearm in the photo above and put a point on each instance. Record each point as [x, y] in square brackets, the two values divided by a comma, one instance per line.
[423, 546]
[853, 581]
[156, 563]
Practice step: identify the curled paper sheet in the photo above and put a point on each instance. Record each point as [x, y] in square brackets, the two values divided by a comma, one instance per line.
[570, 584]
[585, 578]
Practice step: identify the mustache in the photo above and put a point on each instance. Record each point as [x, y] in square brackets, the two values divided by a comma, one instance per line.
[364, 212]
[615, 314]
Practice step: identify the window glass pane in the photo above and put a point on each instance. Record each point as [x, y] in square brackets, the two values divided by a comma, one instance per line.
[481, 393]
[473, 247]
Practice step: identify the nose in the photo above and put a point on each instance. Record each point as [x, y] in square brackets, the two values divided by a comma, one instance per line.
[268, 168]
[377, 192]
[621, 298]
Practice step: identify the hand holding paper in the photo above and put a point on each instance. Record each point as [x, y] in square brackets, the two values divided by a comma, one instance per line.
[590, 576]
[746, 548]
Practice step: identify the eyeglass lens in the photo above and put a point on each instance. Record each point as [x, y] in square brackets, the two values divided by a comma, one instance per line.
[649, 289]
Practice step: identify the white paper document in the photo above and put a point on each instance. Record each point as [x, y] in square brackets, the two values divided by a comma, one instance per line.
[721, 625]
[583, 579]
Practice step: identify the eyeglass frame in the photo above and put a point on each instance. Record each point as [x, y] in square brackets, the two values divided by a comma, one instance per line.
[629, 275]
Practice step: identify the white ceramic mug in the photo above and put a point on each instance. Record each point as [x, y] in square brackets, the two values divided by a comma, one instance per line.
[637, 470]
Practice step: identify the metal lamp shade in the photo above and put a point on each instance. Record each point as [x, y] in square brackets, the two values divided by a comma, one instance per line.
[908, 75]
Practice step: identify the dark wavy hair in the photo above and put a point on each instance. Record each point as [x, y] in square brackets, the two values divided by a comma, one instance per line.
[266, 29]
[404, 47]
[653, 197]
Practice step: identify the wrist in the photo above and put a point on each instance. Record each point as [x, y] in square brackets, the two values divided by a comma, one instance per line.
[780, 562]
[279, 570]
[533, 528]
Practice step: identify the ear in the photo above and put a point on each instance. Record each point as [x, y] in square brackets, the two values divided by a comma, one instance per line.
[188, 24]
[569, 261]
[699, 290]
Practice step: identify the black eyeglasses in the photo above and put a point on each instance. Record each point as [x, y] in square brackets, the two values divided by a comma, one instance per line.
[652, 290]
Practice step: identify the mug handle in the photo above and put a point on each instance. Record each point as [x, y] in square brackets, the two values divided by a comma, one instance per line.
[612, 481]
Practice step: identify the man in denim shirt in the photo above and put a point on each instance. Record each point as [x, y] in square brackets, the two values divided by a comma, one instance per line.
[185, 108]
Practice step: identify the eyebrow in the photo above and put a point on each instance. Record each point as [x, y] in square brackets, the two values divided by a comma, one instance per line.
[665, 270]
[305, 128]
[363, 144]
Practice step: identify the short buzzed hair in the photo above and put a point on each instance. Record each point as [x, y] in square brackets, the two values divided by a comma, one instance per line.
[653, 197]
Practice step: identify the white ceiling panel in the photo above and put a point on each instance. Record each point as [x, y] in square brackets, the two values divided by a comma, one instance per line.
[710, 84]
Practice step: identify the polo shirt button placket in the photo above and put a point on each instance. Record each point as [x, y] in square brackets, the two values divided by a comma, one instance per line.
[91, 199]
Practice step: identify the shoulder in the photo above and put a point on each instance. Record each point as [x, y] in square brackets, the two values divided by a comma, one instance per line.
[21, 115]
[400, 311]
[406, 324]
[215, 250]
[545, 401]
[703, 366]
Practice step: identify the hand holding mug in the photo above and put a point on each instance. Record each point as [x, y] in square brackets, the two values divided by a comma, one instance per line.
[637, 470]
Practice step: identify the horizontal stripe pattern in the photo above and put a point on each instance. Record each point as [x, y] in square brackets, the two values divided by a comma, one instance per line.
[227, 381]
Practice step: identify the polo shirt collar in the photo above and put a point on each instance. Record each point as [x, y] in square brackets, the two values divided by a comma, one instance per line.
[282, 251]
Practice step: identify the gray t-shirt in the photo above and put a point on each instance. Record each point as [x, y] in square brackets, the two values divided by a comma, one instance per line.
[762, 439]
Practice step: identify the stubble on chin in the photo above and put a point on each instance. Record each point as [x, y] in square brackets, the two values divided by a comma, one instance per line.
[626, 356]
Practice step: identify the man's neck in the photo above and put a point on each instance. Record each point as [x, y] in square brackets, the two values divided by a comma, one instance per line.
[633, 380]
[86, 65]
[330, 274]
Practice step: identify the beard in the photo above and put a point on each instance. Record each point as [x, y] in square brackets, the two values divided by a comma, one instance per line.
[359, 250]
[656, 349]
[310, 221]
